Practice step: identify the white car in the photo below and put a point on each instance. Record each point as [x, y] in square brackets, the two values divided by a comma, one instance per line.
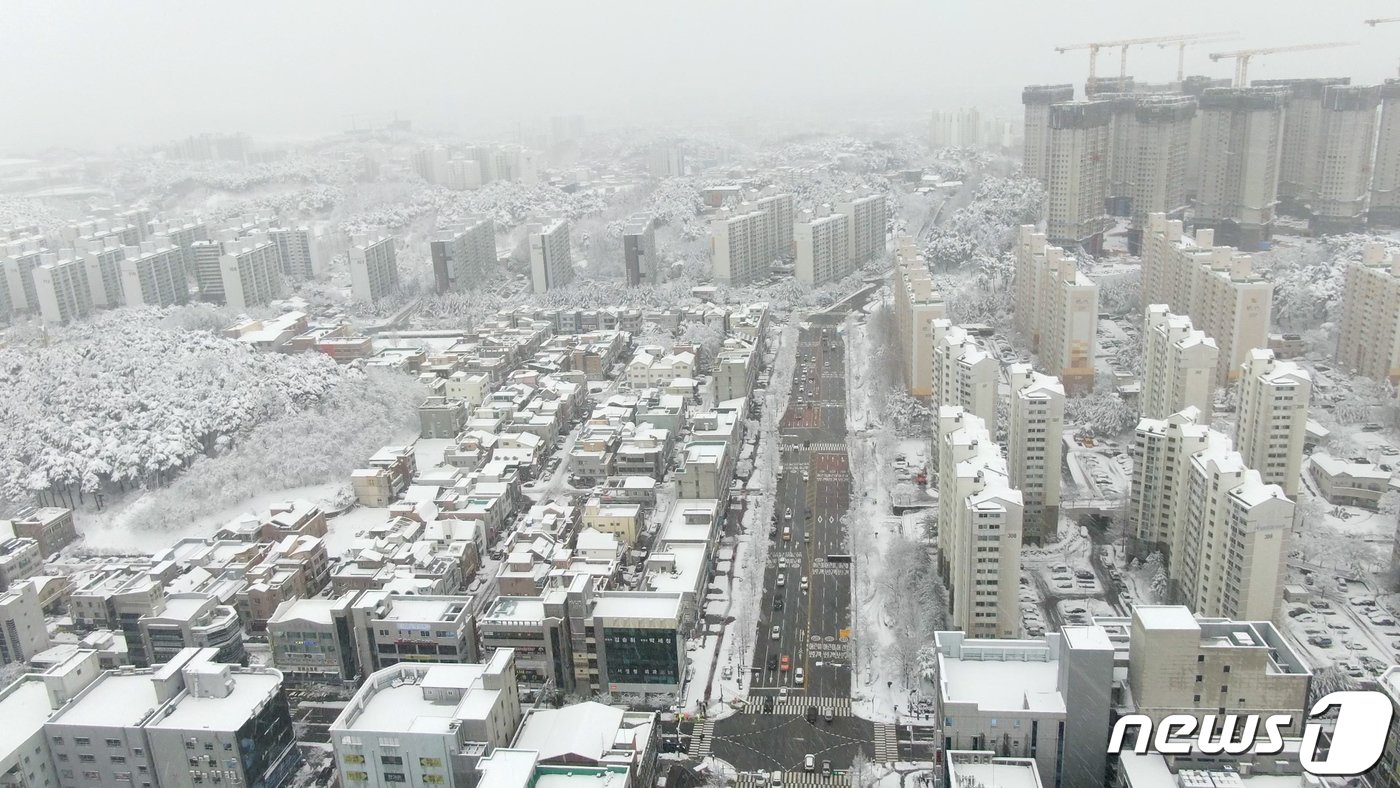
[797, 677]
[804, 584]
[777, 632]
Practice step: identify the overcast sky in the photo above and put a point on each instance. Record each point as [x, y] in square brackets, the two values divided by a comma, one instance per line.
[96, 74]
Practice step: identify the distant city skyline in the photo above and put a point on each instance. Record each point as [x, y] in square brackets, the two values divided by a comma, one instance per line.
[159, 70]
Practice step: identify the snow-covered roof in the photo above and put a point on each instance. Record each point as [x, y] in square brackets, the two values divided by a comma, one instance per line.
[1333, 466]
[1176, 617]
[585, 730]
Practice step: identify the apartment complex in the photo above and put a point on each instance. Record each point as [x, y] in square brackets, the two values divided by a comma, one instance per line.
[917, 304]
[1241, 136]
[251, 273]
[374, 268]
[153, 274]
[1303, 134]
[103, 263]
[1037, 100]
[823, 249]
[1224, 531]
[979, 527]
[1369, 344]
[1385, 176]
[1035, 447]
[1273, 418]
[462, 253]
[1215, 286]
[964, 373]
[639, 259]
[1048, 700]
[1180, 365]
[746, 241]
[23, 632]
[1057, 308]
[1076, 188]
[551, 258]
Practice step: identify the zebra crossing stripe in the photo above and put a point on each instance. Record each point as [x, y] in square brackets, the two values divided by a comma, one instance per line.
[886, 745]
[701, 739]
[803, 778]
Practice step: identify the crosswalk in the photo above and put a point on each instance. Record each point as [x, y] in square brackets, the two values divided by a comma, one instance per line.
[831, 446]
[798, 704]
[886, 745]
[799, 779]
[701, 738]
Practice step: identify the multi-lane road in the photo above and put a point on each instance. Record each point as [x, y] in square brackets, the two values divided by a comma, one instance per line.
[805, 612]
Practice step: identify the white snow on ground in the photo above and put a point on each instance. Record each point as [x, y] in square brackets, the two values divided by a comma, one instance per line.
[341, 530]
[742, 586]
[121, 529]
[877, 680]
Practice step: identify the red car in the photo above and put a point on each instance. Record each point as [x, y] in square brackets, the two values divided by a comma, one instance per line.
[785, 663]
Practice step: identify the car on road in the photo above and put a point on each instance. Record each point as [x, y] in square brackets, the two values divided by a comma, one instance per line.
[775, 780]
[809, 763]
[785, 664]
[772, 661]
[803, 584]
[787, 533]
[804, 476]
[798, 677]
[812, 714]
[788, 514]
[782, 579]
[777, 603]
[830, 714]
[777, 632]
[767, 704]
[826, 768]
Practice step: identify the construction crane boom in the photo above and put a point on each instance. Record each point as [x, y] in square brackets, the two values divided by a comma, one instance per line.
[1243, 56]
[1374, 22]
[1205, 38]
[1123, 44]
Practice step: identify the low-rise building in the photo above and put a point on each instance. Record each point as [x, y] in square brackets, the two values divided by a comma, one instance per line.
[427, 724]
[1349, 483]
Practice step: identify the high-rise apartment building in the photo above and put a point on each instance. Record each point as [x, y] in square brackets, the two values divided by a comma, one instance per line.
[1160, 449]
[1273, 417]
[294, 249]
[866, 218]
[666, 160]
[1057, 308]
[1342, 196]
[462, 253]
[63, 289]
[374, 268]
[1158, 151]
[1034, 448]
[1224, 531]
[183, 235]
[1369, 344]
[639, 258]
[1215, 286]
[917, 304]
[1180, 365]
[251, 273]
[1303, 135]
[1195, 86]
[1037, 100]
[1241, 138]
[775, 229]
[1076, 184]
[551, 258]
[964, 373]
[823, 249]
[153, 274]
[979, 528]
[18, 269]
[104, 277]
[1385, 175]
[739, 254]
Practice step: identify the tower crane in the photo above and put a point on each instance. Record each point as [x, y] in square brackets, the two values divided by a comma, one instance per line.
[1204, 38]
[1243, 56]
[1123, 44]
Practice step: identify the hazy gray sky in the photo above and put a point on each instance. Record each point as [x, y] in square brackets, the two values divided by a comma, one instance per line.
[94, 73]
